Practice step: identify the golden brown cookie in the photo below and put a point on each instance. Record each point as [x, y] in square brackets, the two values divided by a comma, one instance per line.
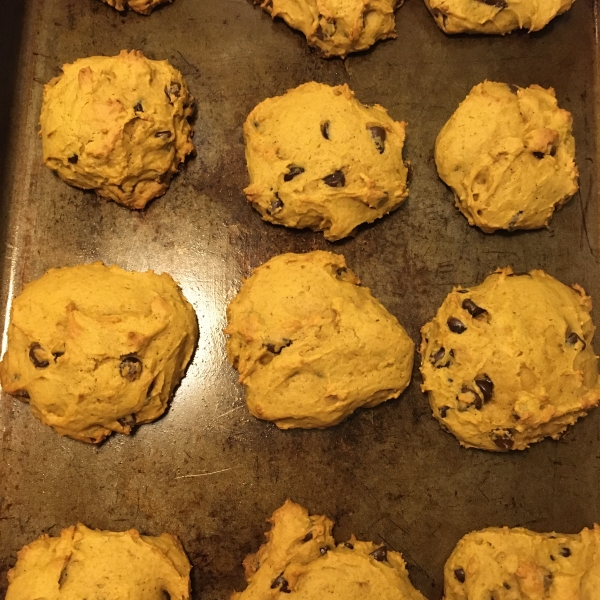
[510, 361]
[311, 345]
[100, 565]
[508, 156]
[518, 564]
[495, 16]
[300, 560]
[144, 7]
[97, 349]
[318, 158]
[118, 125]
[337, 27]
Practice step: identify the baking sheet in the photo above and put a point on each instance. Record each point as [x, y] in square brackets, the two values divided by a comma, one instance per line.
[208, 472]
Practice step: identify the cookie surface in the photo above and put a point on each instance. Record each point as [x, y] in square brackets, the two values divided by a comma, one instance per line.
[518, 564]
[337, 27]
[495, 16]
[97, 349]
[144, 7]
[509, 157]
[100, 565]
[510, 361]
[118, 125]
[311, 346]
[318, 158]
[300, 560]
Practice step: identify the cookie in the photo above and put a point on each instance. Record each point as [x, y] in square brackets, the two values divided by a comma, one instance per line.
[311, 345]
[97, 349]
[318, 158]
[495, 16]
[337, 27]
[508, 156]
[510, 361]
[118, 125]
[101, 565]
[144, 7]
[300, 560]
[518, 564]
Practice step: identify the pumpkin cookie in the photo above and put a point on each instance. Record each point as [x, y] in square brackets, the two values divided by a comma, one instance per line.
[301, 560]
[118, 125]
[508, 156]
[97, 349]
[311, 345]
[510, 361]
[318, 158]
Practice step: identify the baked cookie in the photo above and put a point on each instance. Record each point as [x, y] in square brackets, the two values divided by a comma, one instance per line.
[118, 125]
[311, 345]
[337, 27]
[509, 157]
[510, 361]
[495, 16]
[518, 564]
[101, 565]
[318, 158]
[97, 349]
[144, 7]
[300, 560]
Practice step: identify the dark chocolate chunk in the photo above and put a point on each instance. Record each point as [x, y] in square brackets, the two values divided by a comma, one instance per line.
[566, 552]
[456, 326]
[162, 134]
[438, 355]
[293, 171]
[539, 155]
[277, 348]
[166, 595]
[276, 205]
[472, 308]
[503, 441]
[130, 367]
[477, 402]
[486, 385]
[552, 557]
[138, 107]
[57, 355]
[281, 583]
[336, 179]
[321, 35]
[496, 3]
[22, 394]
[548, 578]
[444, 411]
[378, 135]
[460, 575]
[174, 90]
[325, 129]
[73, 159]
[506, 586]
[572, 338]
[380, 554]
[127, 421]
[36, 357]
[324, 550]
[308, 537]
[349, 545]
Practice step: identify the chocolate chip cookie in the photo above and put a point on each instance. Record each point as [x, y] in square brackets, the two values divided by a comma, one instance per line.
[97, 349]
[301, 560]
[311, 345]
[118, 125]
[101, 565]
[510, 361]
[508, 156]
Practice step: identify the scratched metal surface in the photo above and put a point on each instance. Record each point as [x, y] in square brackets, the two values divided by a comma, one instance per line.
[207, 471]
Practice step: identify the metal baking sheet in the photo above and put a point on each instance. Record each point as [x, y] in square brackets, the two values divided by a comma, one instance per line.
[207, 471]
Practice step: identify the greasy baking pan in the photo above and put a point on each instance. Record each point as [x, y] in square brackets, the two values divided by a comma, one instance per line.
[207, 471]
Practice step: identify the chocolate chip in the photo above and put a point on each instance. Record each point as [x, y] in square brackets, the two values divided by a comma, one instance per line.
[166, 595]
[456, 326]
[460, 575]
[307, 537]
[472, 308]
[566, 552]
[320, 33]
[138, 107]
[130, 367]
[506, 586]
[378, 135]
[277, 348]
[514, 220]
[336, 179]
[38, 360]
[349, 545]
[572, 338]
[276, 205]
[539, 155]
[281, 583]
[73, 159]
[503, 441]
[444, 411]
[22, 394]
[174, 90]
[438, 355]
[548, 578]
[162, 134]
[127, 421]
[380, 554]
[325, 129]
[552, 558]
[486, 385]
[476, 401]
[57, 355]
[324, 550]
[293, 171]
[496, 3]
